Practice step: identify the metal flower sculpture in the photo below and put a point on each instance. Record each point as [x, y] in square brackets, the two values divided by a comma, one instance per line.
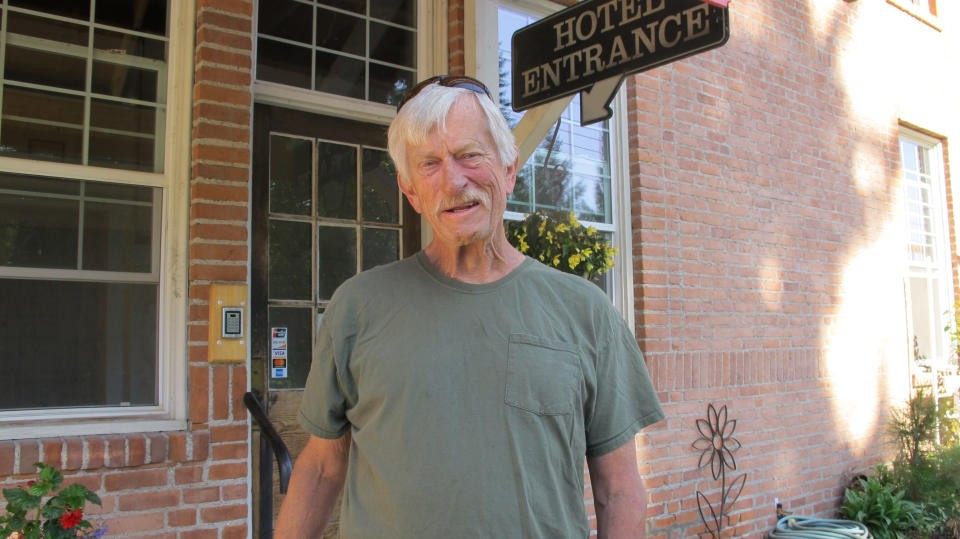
[716, 445]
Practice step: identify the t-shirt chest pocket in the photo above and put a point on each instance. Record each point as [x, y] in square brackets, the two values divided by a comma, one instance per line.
[543, 377]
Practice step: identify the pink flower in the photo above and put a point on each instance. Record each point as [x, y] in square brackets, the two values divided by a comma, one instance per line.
[71, 518]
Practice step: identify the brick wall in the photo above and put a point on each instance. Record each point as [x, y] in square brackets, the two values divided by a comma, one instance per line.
[192, 484]
[765, 207]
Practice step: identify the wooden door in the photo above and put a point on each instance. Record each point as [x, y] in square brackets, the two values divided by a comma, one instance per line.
[325, 206]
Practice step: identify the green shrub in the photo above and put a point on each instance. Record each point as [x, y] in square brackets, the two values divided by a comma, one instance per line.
[880, 505]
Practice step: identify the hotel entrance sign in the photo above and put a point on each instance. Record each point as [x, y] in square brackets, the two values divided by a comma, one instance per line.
[590, 46]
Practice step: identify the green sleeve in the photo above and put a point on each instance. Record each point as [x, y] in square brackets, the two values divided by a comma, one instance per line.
[624, 400]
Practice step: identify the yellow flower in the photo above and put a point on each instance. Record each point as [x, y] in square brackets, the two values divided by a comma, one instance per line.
[587, 252]
[543, 225]
[573, 219]
[562, 228]
[524, 246]
[556, 261]
[574, 261]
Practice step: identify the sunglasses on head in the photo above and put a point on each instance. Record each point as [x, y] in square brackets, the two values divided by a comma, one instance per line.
[449, 81]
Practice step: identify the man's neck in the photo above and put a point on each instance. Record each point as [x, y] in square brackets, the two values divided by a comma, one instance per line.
[475, 264]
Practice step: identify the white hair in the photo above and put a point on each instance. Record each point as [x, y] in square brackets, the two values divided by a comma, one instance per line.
[428, 110]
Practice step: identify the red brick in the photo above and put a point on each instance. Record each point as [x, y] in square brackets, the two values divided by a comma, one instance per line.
[216, 191]
[8, 452]
[29, 455]
[219, 94]
[238, 531]
[218, 56]
[229, 451]
[223, 513]
[53, 453]
[74, 458]
[219, 212]
[227, 471]
[218, 232]
[183, 517]
[158, 447]
[221, 392]
[216, 112]
[200, 445]
[201, 495]
[199, 534]
[188, 474]
[208, 34]
[135, 479]
[95, 453]
[224, 20]
[228, 433]
[116, 452]
[211, 272]
[198, 354]
[234, 492]
[122, 525]
[243, 8]
[218, 251]
[199, 392]
[137, 450]
[153, 499]
[227, 133]
[178, 447]
[239, 389]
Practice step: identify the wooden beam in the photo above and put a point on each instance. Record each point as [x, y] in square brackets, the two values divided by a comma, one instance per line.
[535, 125]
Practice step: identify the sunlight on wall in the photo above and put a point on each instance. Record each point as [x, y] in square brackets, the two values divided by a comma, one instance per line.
[866, 347]
[864, 64]
[769, 272]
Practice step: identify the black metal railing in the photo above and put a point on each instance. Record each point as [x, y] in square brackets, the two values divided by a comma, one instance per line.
[270, 444]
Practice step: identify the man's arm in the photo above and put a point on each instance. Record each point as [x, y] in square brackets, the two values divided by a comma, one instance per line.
[618, 494]
[315, 484]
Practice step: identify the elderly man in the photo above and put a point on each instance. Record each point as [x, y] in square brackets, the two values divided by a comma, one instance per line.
[457, 392]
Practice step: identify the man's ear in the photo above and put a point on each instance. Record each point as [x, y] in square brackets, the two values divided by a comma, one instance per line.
[410, 193]
[511, 180]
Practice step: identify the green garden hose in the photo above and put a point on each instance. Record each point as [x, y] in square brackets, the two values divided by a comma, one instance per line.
[817, 528]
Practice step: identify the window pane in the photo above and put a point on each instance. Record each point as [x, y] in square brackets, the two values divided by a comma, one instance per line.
[339, 75]
[124, 81]
[76, 10]
[392, 44]
[117, 237]
[143, 15]
[336, 181]
[283, 63]
[388, 84]
[336, 258]
[28, 25]
[396, 11]
[289, 266]
[356, 6]
[340, 32]
[290, 165]
[77, 344]
[107, 40]
[114, 116]
[286, 20]
[381, 195]
[380, 247]
[47, 68]
[38, 232]
[298, 321]
[121, 151]
[29, 130]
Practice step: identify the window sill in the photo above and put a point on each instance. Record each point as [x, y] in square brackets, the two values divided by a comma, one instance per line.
[47, 424]
[929, 19]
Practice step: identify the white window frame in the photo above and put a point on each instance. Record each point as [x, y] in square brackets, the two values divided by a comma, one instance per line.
[481, 58]
[941, 269]
[170, 413]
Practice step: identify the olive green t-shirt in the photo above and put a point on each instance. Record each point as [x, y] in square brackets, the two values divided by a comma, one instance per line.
[472, 406]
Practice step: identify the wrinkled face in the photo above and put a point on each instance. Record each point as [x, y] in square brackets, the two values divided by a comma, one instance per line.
[457, 181]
